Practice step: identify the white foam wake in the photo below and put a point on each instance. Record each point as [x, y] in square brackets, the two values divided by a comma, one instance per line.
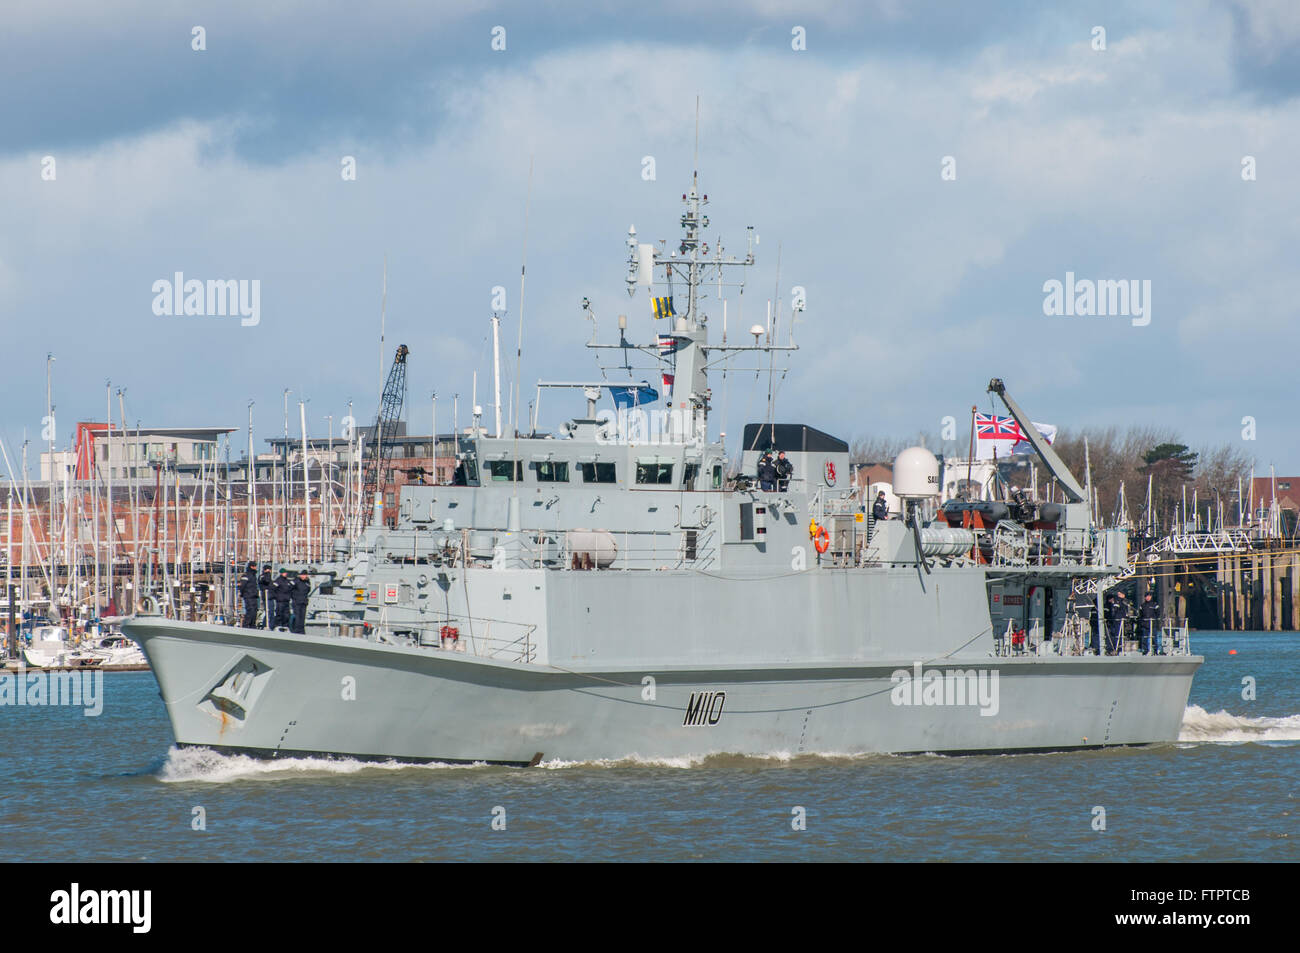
[715, 758]
[688, 761]
[1200, 725]
[204, 764]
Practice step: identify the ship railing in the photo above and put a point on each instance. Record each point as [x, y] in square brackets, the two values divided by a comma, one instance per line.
[837, 503]
[1009, 544]
[1075, 638]
[521, 649]
[481, 637]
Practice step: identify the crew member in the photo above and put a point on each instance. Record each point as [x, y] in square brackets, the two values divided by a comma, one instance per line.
[784, 470]
[282, 594]
[1149, 636]
[264, 583]
[1119, 608]
[1114, 621]
[299, 594]
[766, 473]
[880, 511]
[248, 592]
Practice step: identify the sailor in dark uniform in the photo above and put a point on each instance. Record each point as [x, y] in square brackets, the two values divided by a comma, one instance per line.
[248, 593]
[784, 470]
[299, 594]
[282, 594]
[880, 511]
[766, 473]
[1149, 635]
[1116, 612]
[264, 584]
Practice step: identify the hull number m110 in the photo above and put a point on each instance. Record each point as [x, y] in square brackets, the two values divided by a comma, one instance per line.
[704, 708]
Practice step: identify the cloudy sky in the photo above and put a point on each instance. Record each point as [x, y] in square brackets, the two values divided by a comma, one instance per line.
[1117, 163]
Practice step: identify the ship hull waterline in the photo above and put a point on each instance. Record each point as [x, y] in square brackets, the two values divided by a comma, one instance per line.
[274, 694]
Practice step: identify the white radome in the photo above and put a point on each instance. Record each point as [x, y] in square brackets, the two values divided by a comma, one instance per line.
[916, 474]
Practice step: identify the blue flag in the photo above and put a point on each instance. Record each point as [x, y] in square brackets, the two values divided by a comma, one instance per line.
[628, 397]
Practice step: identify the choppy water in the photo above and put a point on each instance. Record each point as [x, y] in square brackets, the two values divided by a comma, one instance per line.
[107, 788]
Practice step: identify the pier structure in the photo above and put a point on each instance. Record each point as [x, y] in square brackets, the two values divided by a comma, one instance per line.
[1237, 579]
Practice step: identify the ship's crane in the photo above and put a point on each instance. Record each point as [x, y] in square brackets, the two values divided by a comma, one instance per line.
[1055, 465]
[385, 430]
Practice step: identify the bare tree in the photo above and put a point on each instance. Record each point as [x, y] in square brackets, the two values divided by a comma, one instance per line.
[880, 449]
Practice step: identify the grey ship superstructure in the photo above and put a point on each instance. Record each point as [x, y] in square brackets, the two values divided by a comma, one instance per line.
[607, 591]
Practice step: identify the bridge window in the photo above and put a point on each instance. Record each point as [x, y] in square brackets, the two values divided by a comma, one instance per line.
[598, 473]
[654, 474]
[552, 471]
[499, 470]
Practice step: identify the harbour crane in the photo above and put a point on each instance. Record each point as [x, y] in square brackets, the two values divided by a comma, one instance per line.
[385, 430]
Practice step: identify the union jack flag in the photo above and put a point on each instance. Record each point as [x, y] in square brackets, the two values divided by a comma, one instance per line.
[993, 427]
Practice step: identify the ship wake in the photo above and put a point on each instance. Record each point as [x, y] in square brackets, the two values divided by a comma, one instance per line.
[1221, 726]
[718, 760]
[206, 765]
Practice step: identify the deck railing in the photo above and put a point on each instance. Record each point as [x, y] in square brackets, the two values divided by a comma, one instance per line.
[1075, 638]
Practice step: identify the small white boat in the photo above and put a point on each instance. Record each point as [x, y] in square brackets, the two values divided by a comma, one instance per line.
[112, 651]
[49, 647]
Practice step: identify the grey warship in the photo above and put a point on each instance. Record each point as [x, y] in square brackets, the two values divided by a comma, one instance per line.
[608, 591]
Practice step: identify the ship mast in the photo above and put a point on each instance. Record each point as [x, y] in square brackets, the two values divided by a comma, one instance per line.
[690, 262]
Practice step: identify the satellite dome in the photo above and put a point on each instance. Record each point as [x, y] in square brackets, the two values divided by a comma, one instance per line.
[916, 474]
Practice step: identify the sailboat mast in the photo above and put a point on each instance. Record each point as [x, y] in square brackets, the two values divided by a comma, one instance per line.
[327, 524]
[250, 540]
[227, 540]
[22, 581]
[284, 481]
[306, 493]
[110, 524]
[93, 472]
[49, 432]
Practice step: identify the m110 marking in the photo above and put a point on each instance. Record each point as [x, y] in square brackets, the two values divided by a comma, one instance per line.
[704, 708]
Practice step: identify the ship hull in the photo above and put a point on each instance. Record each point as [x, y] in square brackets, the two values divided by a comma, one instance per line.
[274, 694]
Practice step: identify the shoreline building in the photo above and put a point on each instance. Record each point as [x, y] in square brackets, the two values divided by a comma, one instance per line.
[172, 511]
